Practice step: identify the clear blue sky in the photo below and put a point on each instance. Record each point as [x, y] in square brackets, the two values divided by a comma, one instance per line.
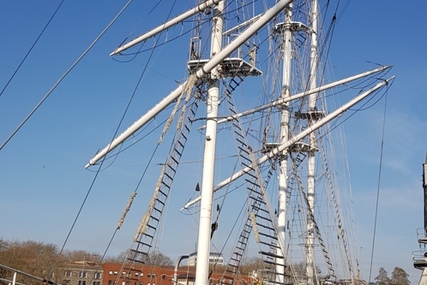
[42, 175]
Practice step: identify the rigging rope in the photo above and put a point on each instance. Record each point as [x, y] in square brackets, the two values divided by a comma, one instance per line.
[378, 188]
[68, 71]
[31, 48]
[50, 92]
[100, 166]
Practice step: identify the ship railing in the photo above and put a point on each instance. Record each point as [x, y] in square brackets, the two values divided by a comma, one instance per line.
[422, 235]
[247, 51]
[11, 280]
[419, 259]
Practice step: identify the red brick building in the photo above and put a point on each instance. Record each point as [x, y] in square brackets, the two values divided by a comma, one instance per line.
[89, 273]
[140, 274]
[137, 274]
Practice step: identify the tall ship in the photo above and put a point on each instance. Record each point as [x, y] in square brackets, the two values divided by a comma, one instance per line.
[245, 159]
[257, 99]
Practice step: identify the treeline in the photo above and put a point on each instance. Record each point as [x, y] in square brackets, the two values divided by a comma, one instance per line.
[398, 277]
[37, 259]
[46, 261]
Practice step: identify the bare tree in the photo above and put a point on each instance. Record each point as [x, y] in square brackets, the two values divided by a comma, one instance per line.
[159, 259]
[382, 278]
[35, 258]
[399, 277]
[72, 256]
[251, 264]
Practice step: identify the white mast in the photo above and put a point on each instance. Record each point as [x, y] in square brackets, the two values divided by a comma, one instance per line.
[284, 136]
[203, 241]
[312, 142]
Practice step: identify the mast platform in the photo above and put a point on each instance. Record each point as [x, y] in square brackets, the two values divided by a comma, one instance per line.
[296, 147]
[229, 67]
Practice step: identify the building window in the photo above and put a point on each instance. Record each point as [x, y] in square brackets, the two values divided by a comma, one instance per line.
[68, 273]
[110, 282]
[164, 276]
[83, 274]
[97, 275]
[96, 283]
[82, 282]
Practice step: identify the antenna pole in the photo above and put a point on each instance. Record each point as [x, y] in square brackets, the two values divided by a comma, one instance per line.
[425, 194]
